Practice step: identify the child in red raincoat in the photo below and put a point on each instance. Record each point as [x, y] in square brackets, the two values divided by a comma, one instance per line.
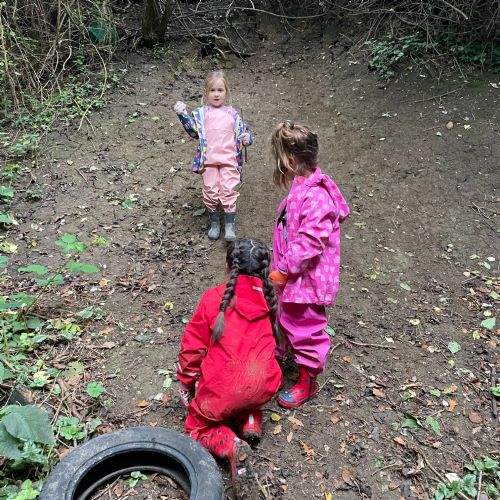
[228, 348]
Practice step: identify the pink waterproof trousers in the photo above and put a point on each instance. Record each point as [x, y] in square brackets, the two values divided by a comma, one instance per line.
[219, 183]
[303, 325]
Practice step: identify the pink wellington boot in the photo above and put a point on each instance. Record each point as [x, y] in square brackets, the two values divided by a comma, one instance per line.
[304, 390]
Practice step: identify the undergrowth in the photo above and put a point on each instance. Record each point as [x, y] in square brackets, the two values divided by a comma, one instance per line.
[388, 53]
[30, 436]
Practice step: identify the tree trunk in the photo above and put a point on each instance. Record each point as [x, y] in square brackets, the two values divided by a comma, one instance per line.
[154, 21]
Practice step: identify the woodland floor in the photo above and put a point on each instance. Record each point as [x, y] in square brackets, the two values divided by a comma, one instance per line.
[419, 258]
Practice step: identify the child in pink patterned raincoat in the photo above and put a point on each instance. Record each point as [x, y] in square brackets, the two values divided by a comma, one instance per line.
[306, 254]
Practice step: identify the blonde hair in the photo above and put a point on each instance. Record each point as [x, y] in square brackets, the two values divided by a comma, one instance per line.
[294, 148]
[211, 78]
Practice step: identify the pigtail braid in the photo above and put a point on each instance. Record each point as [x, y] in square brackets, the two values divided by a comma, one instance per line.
[272, 301]
[220, 325]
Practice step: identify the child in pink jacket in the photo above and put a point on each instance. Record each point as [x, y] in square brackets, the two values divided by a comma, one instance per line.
[306, 254]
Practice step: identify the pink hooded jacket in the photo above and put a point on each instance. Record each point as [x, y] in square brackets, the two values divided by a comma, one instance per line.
[306, 245]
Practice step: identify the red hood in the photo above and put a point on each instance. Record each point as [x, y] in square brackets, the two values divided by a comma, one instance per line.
[250, 301]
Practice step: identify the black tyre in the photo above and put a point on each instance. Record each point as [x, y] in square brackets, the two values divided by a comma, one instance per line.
[152, 449]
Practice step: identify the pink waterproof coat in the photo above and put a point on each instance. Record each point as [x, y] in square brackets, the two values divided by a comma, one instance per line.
[307, 245]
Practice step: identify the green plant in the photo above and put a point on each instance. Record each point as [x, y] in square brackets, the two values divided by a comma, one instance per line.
[21, 333]
[485, 468]
[25, 145]
[95, 389]
[20, 427]
[135, 477]
[470, 50]
[100, 241]
[71, 428]
[26, 492]
[388, 52]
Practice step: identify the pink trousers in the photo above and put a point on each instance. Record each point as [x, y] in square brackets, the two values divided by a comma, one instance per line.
[219, 183]
[303, 325]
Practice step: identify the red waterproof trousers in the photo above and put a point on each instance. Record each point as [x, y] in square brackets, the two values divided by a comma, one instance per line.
[238, 372]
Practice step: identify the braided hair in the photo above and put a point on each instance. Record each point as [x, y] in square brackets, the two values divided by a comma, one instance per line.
[251, 257]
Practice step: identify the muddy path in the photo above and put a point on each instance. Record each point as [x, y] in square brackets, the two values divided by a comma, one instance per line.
[419, 258]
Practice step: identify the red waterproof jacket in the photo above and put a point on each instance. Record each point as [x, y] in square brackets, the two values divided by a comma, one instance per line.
[239, 371]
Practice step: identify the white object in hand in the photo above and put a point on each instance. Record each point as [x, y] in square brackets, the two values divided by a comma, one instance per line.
[180, 107]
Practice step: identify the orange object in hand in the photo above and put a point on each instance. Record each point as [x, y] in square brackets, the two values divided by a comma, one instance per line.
[278, 278]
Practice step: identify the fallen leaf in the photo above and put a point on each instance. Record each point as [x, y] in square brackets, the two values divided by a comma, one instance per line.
[451, 389]
[118, 490]
[328, 496]
[400, 441]
[289, 437]
[295, 422]
[335, 419]
[65, 452]
[347, 476]
[307, 449]
[277, 429]
[142, 404]
[346, 359]
[451, 404]
[475, 417]
[108, 345]
[343, 448]
[152, 424]
[73, 381]
[378, 393]
[275, 417]
[452, 477]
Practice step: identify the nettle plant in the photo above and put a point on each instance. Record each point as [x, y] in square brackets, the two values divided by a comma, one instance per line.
[26, 441]
[26, 437]
[7, 175]
[483, 477]
[21, 332]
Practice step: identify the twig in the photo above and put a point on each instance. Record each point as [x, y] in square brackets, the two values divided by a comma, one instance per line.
[266, 494]
[479, 484]
[107, 489]
[437, 96]
[281, 16]
[493, 398]
[82, 176]
[480, 211]
[336, 346]
[379, 346]
[437, 474]
[456, 9]
[386, 467]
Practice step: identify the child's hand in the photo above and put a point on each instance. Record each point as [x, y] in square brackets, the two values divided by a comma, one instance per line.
[278, 278]
[185, 394]
[245, 138]
[180, 107]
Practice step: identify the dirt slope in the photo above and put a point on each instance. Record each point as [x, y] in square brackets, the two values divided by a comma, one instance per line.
[423, 202]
